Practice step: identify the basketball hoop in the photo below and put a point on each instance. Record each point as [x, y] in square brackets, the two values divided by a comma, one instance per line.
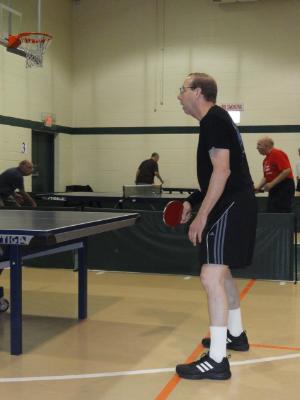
[34, 44]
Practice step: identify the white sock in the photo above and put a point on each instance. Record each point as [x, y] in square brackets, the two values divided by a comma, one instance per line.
[235, 325]
[218, 335]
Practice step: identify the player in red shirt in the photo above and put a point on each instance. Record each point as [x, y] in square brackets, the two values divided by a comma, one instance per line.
[278, 177]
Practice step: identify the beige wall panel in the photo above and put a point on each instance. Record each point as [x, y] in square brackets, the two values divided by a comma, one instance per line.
[114, 159]
[144, 49]
[63, 147]
[58, 21]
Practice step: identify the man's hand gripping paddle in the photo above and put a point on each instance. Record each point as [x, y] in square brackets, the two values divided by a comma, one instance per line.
[173, 213]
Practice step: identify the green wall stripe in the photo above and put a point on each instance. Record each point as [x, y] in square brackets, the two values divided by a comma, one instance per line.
[137, 130]
[35, 125]
[180, 129]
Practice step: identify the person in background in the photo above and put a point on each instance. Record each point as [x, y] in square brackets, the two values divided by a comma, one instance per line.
[11, 180]
[147, 170]
[278, 178]
[298, 173]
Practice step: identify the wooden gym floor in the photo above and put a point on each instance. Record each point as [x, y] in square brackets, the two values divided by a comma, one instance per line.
[139, 327]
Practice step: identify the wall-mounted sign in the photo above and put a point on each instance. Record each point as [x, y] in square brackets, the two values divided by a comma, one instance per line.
[233, 107]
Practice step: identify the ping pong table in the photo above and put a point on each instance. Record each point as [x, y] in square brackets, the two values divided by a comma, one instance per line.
[31, 233]
[82, 198]
[154, 201]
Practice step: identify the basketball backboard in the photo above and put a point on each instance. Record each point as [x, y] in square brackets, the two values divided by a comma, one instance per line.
[20, 30]
[10, 22]
[18, 16]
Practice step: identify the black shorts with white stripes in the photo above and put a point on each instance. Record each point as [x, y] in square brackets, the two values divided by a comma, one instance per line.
[229, 235]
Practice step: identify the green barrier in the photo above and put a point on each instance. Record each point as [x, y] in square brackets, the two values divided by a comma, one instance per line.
[150, 246]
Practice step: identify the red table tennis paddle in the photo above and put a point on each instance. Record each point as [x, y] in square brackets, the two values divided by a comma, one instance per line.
[172, 213]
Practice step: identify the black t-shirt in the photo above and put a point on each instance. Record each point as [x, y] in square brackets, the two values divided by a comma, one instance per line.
[147, 171]
[219, 131]
[10, 180]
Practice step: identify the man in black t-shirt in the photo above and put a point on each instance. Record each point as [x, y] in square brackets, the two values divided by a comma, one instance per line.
[224, 227]
[147, 170]
[11, 180]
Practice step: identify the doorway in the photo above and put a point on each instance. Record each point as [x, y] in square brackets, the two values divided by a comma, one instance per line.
[43, 161]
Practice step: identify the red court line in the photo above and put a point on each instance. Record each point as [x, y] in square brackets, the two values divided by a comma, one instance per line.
[270, 346]
[247, 288]
[170, 386]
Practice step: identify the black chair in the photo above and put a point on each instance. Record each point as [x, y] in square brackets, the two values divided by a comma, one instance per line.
[79, 188]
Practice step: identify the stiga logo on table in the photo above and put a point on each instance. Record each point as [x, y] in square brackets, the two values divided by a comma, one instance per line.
[15, 239]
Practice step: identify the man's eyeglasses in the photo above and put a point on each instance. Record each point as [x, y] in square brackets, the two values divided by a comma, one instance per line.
[183, 88]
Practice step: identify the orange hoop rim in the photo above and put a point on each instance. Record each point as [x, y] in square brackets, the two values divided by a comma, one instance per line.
[15, 40]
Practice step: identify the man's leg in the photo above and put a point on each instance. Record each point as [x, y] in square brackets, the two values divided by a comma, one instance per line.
[281, 200]
[2, 205]
[214, 365]
[213, 278]
[288, 194]
[236, 337]
[272, 203]
[235, 326]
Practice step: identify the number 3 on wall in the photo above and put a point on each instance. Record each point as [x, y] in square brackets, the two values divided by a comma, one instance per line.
[23, 147]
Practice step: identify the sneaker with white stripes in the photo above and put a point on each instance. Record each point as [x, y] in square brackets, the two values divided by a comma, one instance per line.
[205, 368]
[237, 343]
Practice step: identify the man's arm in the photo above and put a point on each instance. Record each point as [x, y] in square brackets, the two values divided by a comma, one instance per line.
[156, 173]
[218, 179]
[19, 198]
[195, 198]
[28, 198]
[137, 174]
[260, 185]
[282, 176]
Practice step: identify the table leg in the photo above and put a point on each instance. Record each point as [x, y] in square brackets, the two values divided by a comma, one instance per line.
[82, 282]
[15, 299]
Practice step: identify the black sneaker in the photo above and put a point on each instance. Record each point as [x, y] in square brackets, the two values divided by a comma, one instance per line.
[205, 368]
[237, 343]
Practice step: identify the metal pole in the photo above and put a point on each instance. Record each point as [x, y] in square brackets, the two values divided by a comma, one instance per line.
[82, 280]
[15, 299]
[296, 250]
[9, 21]
[39, 15]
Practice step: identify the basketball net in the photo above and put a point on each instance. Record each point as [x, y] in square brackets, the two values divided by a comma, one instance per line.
[34, 44]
